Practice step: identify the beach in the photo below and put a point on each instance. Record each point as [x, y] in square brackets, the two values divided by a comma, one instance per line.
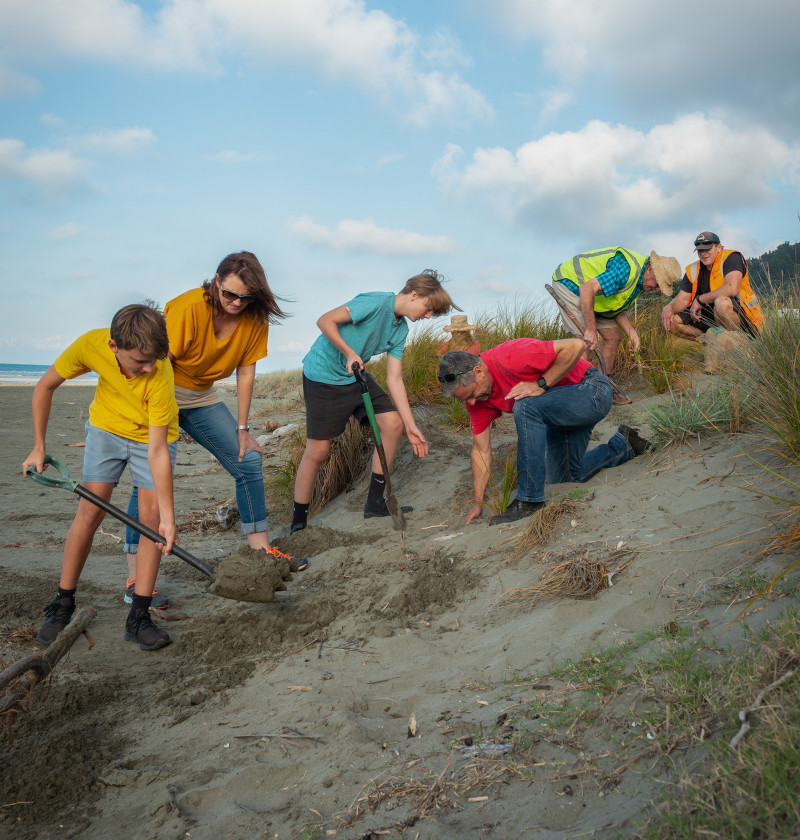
[356, 704]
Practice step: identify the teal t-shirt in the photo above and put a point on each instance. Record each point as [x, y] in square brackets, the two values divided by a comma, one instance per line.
[374, 330]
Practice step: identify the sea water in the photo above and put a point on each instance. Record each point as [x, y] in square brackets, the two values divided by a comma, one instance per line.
[23, 374]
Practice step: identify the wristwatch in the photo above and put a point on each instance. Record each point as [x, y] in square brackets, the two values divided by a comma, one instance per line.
[245, 428]
[542, 384]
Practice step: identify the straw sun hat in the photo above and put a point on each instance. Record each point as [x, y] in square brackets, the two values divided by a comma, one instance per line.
[459, 323]
[667, 271]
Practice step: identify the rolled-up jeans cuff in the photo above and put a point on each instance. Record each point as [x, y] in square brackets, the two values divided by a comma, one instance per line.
[255, 527]
[131, 548]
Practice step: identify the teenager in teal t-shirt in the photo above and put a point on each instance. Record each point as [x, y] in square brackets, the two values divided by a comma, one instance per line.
[353, 333]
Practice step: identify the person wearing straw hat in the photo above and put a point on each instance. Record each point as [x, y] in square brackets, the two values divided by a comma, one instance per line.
[715, 291]
[594, 291]
[461, 332]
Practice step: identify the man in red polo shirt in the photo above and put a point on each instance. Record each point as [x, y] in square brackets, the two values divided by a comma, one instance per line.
[556, 398]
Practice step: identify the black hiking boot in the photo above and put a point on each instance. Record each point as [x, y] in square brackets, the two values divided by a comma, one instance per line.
[639, 445]
[381, 509]
[57, 616]
[517, 509]
[142, 630]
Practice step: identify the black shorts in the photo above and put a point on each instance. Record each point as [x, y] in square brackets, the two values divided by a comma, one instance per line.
[707, 319]
[329, 407]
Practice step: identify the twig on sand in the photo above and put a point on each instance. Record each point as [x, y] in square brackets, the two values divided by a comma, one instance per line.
[32, 669]
[745, 727]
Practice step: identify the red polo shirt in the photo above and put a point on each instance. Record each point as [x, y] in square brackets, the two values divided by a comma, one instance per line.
[519, 360]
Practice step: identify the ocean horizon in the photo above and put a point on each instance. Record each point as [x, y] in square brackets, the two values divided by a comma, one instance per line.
[26, 374]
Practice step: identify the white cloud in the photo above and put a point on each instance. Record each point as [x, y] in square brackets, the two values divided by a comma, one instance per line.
[124, 142]
[53, 170]
[366, 236]
[68, 231]
[342, 41]
[13, 84]
[52, 120]
[613, 177]
[735, 56]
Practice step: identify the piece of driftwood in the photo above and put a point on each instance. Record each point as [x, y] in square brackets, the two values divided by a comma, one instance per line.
[32, 669]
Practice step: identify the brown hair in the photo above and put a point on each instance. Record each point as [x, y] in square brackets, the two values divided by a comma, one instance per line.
[141, 327]
[429, 285]
[264, 307]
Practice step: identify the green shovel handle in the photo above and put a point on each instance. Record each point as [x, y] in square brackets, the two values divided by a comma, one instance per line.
[362, 381]
[64, 481]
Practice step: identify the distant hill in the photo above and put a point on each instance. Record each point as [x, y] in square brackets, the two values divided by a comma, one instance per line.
[776, 269]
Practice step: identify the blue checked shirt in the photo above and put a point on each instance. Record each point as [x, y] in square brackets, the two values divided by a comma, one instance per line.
[613, 279]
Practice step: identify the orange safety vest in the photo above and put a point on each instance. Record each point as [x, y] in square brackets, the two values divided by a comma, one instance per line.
[746, 297]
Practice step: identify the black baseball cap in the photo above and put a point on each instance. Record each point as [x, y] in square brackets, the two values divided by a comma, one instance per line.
[703, 241]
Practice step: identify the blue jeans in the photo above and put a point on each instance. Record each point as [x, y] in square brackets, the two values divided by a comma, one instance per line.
[553, 432]
[214, 428]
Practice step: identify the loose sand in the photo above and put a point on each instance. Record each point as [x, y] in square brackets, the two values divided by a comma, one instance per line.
[275, 719]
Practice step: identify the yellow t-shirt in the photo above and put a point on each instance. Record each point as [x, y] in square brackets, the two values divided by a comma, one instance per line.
[201, 359]
[122, 406]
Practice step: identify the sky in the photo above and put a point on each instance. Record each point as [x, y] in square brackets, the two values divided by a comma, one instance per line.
[350, 145]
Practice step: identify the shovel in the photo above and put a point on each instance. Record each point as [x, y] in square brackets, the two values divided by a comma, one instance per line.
[623, 398]
[398, 518]
[65, 481]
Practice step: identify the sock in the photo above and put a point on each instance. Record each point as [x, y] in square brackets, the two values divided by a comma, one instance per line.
[377, 485]
[65, 593]
[299, 516]
[140, 605]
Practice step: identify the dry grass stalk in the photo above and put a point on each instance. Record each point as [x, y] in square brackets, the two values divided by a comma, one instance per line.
[579, 577]
[204, 518]
[442, 791]
[543, 524]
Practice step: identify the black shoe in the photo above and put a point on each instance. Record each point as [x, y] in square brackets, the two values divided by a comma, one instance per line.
[141, 629]
[381, 509]
[517, 509]
[639, 445]
[58, 614]
[297, 526]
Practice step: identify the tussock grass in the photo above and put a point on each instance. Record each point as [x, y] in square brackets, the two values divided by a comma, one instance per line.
[518, 319]
[690, 414]
[455, 414]
[347, 460]
[765, 372]
[283, 389]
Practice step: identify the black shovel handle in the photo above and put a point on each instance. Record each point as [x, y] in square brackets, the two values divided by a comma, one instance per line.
[66, 482]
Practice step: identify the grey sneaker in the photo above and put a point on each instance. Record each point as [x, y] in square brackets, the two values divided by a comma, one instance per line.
[517, 509]
[639, 445]
[57, 616]
[142, 630]
[159, 602]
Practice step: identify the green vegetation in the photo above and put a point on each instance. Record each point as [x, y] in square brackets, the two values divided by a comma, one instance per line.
[777, 270]
[689, 414]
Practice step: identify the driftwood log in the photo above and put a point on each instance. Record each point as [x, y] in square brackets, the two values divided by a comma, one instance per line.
[34, 668]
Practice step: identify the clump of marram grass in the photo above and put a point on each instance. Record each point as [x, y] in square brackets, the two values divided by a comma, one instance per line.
[541, 525]
[518, 319]
[580, 577]
[766, 372]
[283, 389]
[690, 414]
[455, 414]
[498, 492]
[347, 460]
[420, 364]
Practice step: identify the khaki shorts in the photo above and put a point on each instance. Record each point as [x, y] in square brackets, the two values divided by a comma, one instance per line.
[570, 302]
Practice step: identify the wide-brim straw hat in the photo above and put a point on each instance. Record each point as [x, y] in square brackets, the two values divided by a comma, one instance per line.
[459, 323]
[667, 271]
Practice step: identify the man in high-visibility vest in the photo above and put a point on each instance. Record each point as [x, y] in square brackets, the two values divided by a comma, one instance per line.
[594, 290]
[715, 291]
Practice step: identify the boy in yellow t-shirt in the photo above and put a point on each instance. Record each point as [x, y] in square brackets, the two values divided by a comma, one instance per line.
[133, 420]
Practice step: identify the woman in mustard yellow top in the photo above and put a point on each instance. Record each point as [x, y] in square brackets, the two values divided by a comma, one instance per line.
[213, 331]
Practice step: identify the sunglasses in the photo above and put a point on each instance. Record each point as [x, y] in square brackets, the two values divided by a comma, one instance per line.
[451, 377]
[232, 296]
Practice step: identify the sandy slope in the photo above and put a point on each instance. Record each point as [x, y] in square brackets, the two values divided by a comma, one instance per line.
[171, 744]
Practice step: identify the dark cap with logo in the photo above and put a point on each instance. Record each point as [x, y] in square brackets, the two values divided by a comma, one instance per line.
[703, 241]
